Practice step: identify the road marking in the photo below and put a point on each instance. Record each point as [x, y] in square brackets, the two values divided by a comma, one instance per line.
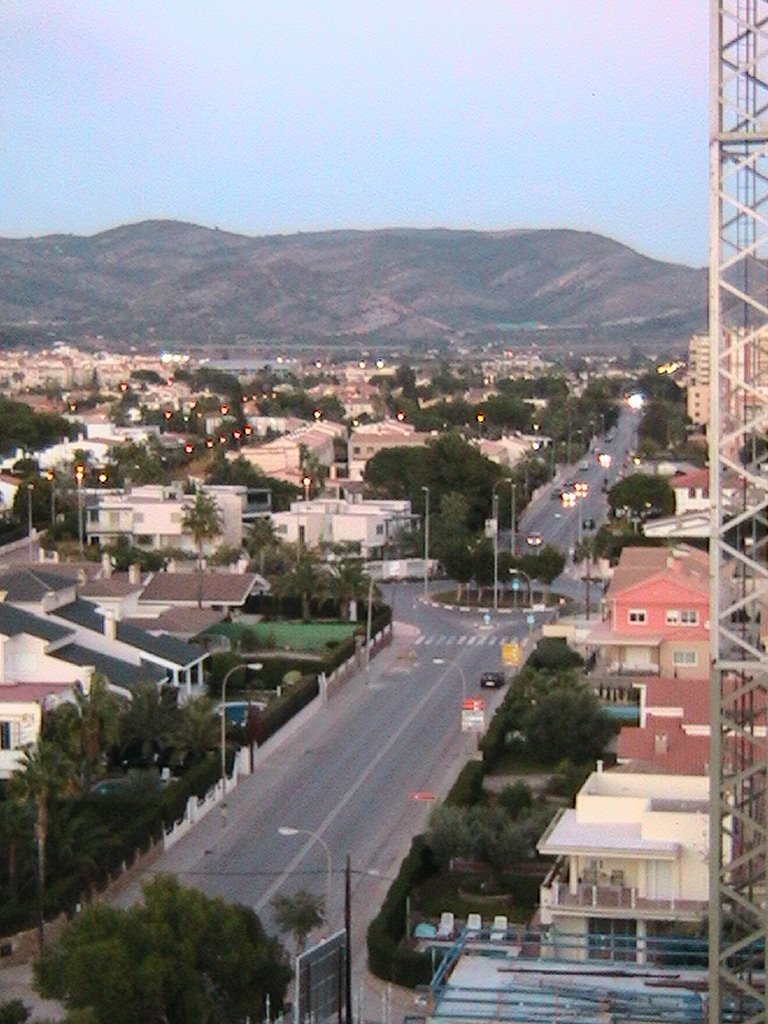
[418, 640]
[472, 640]
[422, 794]
[462, 639]
[429, 697]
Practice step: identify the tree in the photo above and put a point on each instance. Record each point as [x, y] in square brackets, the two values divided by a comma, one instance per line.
[261, 537]
[586, 551]
[643, 495]
[181, 957]
[298, 914]
[303, 581]
[202, 520]
[588, 730]
[196, 732]
[44, 773]
[347, 582]
[149, 724]
[88, 727]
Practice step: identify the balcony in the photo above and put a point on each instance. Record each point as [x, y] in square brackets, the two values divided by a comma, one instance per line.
[616, 901]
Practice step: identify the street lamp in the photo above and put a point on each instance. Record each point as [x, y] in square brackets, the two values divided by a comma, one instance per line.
[495, 515]
[79, 474]
[426, 539]
[30, 488]
[307, 481]
[289, 830]
[51, 478]
[459, 669]
[255, 666]
[521, 572]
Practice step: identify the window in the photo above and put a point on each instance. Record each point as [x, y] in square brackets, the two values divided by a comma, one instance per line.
[356, 450]
[5, 736]
[176, 517]
[138, 517]
[682, 616]
[684, 658]
[379, 529]
[636, 616]
[283, 528]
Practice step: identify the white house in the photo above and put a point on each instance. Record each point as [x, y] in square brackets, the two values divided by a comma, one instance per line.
[152, 517]
[368, 524]
[632, 859]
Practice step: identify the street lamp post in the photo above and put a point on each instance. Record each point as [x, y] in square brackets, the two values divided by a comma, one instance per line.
[51, 477]
[289, 830]
[79, 474]
[256, 666]
[521, 572]
[30, 488]
[513, 520]
[426, 539]
[495, 518]
[459, 669]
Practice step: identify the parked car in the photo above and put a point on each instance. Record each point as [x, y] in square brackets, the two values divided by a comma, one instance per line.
[534, 540]
[588, 524]
[492, 680]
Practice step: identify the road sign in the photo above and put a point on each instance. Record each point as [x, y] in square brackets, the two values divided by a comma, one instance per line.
[473, 714]
[530, 618]
[515, 583]
[511, 653]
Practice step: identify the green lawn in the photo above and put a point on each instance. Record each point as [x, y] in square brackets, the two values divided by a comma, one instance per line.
[294, 636]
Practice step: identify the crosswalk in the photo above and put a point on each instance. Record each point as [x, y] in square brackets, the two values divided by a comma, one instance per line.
[452, 640]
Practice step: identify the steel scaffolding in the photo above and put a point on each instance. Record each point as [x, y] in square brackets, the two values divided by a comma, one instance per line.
[738, 296]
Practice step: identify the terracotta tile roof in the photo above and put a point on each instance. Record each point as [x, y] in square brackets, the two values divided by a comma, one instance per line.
[639, 565]
[695, 478]
[117, 585]
[691, 696]
[663, 746]
[190, 621]
[228, 588]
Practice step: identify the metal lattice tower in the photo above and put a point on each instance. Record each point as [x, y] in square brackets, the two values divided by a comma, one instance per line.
[738, 455]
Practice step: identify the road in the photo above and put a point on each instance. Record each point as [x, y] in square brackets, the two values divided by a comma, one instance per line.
[561, 526]
[352, 775]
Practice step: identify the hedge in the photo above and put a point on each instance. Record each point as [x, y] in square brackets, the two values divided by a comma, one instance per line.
[467, 790]
[388, 959]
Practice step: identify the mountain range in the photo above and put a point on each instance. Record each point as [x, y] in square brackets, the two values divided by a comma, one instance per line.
[179, 282]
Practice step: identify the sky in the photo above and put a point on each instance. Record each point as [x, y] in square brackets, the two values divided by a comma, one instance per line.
[278, 116]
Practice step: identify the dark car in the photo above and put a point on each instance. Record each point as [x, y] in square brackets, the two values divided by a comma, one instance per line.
[492, 680]
[588, 524]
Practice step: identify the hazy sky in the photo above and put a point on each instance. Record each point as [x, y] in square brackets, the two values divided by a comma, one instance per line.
[265, 116]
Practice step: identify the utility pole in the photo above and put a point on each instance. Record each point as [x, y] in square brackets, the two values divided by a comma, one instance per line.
[513, 521]
[348, 940]
[495, 515]
[426, 540]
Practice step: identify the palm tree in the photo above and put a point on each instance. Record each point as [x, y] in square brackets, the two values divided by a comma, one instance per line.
[202, 520]
[196, 732]
[14, 829]
[87, 727]
[261, 537]
[305, 580]
[299, 914]
[586, 551]
[44, 773]
[150, 722]
[347, 582]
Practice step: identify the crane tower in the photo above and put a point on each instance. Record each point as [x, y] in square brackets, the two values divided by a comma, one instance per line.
[738, 460]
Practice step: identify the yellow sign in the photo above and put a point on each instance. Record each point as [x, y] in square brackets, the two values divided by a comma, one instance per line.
[511, 653]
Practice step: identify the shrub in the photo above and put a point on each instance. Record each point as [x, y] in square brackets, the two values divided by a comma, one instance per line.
[467, 790]
[554, 654]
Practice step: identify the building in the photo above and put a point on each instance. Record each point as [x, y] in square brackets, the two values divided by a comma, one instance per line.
[699, 375]
[655, 615]
[367, 525]
[632, 860]
[367, 441]
[152, 517]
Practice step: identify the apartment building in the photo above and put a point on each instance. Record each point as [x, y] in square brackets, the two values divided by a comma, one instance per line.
[655, 615]
[631, 862]
[152, 517]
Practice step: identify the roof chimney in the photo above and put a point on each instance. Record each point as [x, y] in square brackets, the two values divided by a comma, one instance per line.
[661, 743]
[134, 573]
[110, 624]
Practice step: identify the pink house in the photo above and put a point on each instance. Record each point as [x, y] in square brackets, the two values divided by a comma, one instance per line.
[656, 615]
